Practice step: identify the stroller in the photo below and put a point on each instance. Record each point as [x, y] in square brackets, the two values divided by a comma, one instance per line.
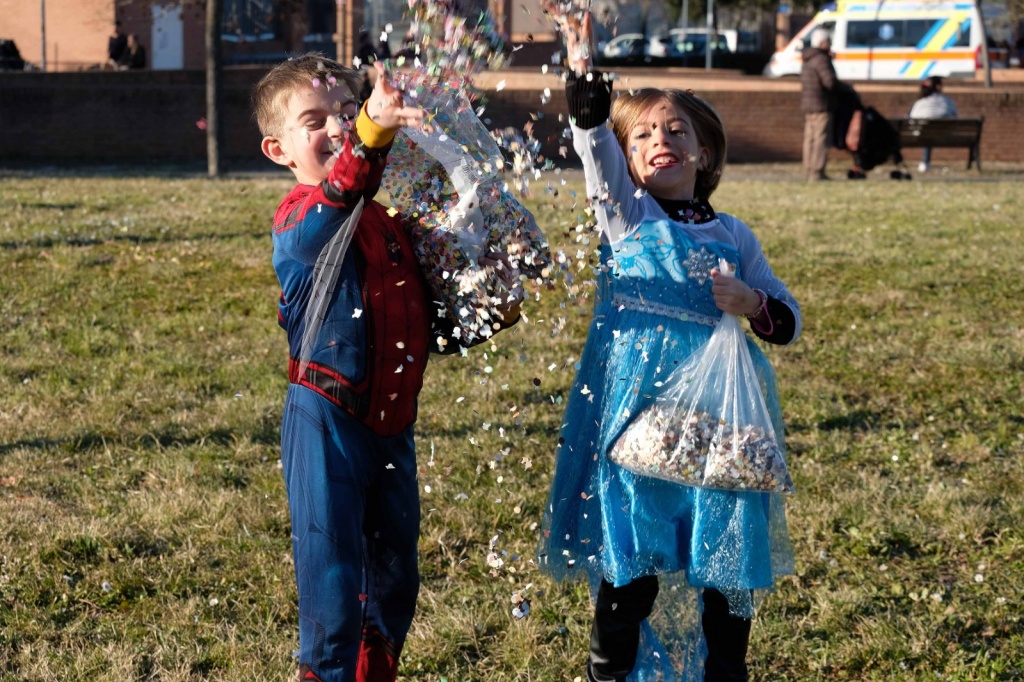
[866, 134]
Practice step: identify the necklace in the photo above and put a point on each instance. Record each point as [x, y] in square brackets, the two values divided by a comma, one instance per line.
[689, 211]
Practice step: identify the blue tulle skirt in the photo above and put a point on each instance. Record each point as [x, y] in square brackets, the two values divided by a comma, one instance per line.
[603, 521]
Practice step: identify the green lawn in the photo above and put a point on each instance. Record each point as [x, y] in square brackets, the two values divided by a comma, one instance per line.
[144, 531]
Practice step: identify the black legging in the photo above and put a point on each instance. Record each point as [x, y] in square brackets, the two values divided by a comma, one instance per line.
[727, 638]
[615, 636]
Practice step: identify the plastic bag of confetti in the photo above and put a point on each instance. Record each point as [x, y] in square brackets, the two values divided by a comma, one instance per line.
[449, 184]
[710, 426]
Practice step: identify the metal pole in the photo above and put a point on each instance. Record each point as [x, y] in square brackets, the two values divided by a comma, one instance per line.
[42, 6]
[710, 35]
[685, 23]
[985, 64]
[339, 33]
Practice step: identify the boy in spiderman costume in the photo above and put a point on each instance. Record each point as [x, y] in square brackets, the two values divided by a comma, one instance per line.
[356, 368]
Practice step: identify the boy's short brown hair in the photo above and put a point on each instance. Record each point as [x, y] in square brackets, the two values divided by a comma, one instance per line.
[629, 108]
[270, 95]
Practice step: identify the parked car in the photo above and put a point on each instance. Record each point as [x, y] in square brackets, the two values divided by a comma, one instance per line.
[685, 47]
[626, 49]
[681, 41]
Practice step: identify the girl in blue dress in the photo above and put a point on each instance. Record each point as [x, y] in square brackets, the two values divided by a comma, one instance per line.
[675, 571]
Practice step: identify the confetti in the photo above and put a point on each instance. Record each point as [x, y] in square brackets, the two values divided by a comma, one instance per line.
[698, 449]
[520, 604]
[462, 212]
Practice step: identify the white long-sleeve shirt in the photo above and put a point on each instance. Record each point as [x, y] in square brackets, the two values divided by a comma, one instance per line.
[621, 208]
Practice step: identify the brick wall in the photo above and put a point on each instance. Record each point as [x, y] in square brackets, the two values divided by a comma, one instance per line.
[120, 117]
[769, 126]
[132, 117]
[76, 31]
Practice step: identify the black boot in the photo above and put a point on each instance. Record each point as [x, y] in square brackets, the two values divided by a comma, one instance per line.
[727, 638]
[615, 636]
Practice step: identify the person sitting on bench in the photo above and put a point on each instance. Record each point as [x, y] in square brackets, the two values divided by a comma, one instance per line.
[931, 104]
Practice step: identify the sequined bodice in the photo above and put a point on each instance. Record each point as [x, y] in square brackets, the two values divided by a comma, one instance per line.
[661, 265]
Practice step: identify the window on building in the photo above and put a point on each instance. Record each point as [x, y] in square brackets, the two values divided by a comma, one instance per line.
[261, 20]
[246, 20]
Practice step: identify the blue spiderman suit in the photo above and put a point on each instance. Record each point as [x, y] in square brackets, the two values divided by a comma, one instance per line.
[347, 445]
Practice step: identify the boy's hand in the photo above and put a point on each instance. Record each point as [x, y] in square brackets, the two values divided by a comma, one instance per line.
[387, 109]
[732, 295]
[510, 288]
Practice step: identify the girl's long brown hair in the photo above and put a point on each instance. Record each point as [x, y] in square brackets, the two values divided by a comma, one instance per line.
[629, 108]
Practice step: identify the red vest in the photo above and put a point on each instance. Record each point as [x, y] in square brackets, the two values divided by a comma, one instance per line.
[397, 330]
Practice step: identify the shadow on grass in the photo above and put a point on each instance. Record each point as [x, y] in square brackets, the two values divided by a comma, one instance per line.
[857, 420]
[267, 433]
[45, 242]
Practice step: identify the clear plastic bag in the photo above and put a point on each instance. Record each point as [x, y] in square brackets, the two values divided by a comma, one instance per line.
[449, 184]
[709, 426]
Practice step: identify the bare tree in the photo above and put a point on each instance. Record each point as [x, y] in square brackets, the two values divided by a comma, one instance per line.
[214, 88]
[214, 77]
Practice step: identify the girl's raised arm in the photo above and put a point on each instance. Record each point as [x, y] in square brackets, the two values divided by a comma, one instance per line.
[619, 204]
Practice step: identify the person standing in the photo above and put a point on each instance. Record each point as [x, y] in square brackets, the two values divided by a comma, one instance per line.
[383, 48]
[818, 81]
[348, 451]
[117, 45]
[134, 55]
[931, 104]
[697, 556]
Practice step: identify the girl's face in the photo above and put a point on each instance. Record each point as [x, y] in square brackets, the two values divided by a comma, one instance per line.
[664, 154]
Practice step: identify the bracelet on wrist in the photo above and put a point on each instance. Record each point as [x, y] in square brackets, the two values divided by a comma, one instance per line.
[763, 306]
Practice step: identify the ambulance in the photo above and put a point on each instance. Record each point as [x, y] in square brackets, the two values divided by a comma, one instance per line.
[899, 40]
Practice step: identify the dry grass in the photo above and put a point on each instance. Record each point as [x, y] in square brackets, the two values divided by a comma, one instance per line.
[145, 531]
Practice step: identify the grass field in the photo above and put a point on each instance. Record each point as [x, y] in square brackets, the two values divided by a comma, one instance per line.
[144, 531]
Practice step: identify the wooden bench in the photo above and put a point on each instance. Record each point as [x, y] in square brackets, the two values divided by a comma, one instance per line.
[942, 132]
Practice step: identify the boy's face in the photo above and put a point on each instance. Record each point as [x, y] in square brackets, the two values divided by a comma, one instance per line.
[664, 153]
[312, 131]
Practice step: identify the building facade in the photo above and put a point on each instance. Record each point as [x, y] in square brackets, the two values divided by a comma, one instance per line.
[71, 35]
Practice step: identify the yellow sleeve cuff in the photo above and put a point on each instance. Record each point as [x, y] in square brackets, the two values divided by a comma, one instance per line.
[371, 134]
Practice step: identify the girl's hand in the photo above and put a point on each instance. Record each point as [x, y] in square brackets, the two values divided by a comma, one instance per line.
[732, 295]
[579, 35]
[387, 109]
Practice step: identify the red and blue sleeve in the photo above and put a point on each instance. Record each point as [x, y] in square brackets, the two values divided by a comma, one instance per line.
[309, 216]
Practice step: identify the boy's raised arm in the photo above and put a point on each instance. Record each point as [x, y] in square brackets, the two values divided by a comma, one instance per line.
[356, 174]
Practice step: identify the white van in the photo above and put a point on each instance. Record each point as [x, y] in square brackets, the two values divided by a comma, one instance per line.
[901, 40]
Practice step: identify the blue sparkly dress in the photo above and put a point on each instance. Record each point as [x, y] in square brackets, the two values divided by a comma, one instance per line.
[653, 308]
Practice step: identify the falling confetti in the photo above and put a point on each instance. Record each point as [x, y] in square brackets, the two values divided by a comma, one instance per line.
[462, 209]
